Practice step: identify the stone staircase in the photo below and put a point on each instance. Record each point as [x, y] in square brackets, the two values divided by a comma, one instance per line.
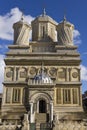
[41, 117]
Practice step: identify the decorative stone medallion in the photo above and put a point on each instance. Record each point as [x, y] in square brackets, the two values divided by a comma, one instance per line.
[74, 74]
[53, 71]
[33, 70]
[9, 74]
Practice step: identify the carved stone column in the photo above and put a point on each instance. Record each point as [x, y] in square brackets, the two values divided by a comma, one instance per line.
[31, 112]
[51, 111]
[26, 125]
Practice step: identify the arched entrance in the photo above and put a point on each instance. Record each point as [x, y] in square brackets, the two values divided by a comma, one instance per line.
[42, 106]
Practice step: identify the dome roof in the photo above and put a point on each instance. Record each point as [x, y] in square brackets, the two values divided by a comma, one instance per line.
[46, 18]
[21, 22]
[65, 22]
[43, 78]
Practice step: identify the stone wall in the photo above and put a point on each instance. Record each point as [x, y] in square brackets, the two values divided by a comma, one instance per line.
[58, 125]
[70, 125]
[9, 126]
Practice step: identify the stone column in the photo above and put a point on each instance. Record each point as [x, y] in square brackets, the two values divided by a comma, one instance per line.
[21, 95]
[31, 112]
[51, 111]
[26, 125]
[38, 107]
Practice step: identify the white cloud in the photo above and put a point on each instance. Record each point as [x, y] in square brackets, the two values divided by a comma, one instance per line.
[83, 73]
[7, 20]
[2, 65]
[76, 35]
[6, 23]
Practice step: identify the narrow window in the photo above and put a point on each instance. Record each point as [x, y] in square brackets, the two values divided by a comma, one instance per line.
[8, 95]
[16, 95]
[66, 96]
[42, 106]
[58, 96]
[75, 98]
[43, 32]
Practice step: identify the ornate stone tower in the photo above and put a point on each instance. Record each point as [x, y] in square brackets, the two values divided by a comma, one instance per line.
[42, 77]
[43, 28]
[15, 74]
[21, 32]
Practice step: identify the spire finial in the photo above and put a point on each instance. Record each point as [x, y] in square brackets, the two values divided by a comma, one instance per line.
[64, 19]
[42, 67]
[22, 16]
[44, 12]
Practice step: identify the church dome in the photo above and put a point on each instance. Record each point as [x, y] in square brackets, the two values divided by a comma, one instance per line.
[43, 28]
[65, 22]
[21, 32]
[44, 17]
[43, 78]
[65, 32]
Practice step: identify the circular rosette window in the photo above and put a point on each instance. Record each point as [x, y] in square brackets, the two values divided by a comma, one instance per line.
[33, 71]
[53, 72]
[74, 74]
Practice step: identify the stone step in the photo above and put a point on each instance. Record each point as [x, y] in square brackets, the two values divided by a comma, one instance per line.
[40, 117]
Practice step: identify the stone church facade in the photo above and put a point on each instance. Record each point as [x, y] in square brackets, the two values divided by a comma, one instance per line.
[42, 76]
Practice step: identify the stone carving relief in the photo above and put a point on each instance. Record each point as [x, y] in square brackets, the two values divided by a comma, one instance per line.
[57, 125]
[61, 74]
[26, 123]
[23, 73]
[9, 73]
[75, 76]
[44, 69]
[33, 71]
[53, 72]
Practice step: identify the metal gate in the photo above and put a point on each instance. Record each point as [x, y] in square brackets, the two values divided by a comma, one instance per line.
[32, 126]
[45, 126]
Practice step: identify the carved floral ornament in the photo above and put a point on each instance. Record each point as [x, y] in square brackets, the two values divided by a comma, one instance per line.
[53, 71]
[9, 74]
[33, 71]
[75, 74]
[23, 72]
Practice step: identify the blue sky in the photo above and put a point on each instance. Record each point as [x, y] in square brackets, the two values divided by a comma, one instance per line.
[75, 11]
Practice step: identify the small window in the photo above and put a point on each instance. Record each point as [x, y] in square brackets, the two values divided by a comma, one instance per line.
[16, 95]
[42, 31]
[66, 96]
[75, 96]
[58, 96]
[8, 95]
[42, 106]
